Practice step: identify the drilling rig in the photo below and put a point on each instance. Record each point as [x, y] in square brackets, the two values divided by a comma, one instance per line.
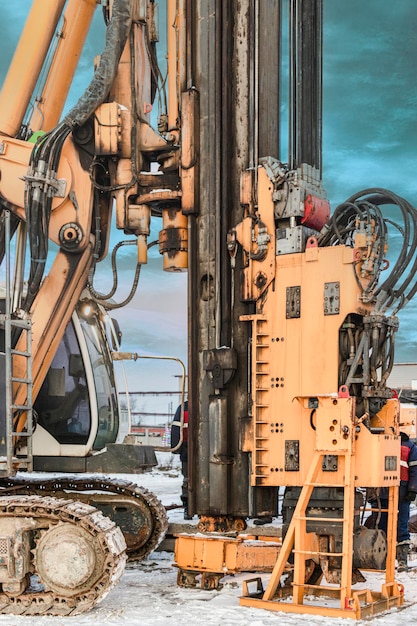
[292, 312]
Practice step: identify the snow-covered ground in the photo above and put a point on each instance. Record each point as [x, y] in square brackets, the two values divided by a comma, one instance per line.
[148, 594]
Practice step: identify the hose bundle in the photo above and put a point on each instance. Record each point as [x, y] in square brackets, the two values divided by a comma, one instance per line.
[365, 209]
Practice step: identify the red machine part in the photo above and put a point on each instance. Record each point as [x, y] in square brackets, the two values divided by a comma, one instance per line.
[316, 212]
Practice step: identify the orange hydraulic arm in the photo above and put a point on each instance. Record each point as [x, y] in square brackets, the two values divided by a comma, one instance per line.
[47, 185]
[29, 58]
[63, 187]
[71, 206]
[27, 63]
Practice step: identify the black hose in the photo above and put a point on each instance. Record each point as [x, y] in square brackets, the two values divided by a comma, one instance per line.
[116, 36]
[401, 283]
[46, 154]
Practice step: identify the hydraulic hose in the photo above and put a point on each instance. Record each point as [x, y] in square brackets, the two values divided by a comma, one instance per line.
[401, 283]
[46, 154]
[116, 36]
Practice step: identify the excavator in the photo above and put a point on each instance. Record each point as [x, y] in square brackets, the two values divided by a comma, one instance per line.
[60, 407]
[292, 308]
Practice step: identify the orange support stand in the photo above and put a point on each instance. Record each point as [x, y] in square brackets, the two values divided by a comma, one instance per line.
[355, 604]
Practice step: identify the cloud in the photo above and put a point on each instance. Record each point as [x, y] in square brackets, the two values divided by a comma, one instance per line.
[369, 140]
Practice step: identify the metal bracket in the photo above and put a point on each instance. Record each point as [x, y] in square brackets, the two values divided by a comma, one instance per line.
[331, 298]
[221, 364]
[293, 302]
[292, 455]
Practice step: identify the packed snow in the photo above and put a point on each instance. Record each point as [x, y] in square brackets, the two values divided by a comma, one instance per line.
[148, 593]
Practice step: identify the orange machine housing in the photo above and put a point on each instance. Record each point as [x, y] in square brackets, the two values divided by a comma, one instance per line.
[305, 431]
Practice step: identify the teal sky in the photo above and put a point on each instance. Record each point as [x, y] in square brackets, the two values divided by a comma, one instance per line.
[369, 140]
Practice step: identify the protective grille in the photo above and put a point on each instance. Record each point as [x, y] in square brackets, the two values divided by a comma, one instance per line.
[3, 545]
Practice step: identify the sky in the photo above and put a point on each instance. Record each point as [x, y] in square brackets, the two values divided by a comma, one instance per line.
[369, 140]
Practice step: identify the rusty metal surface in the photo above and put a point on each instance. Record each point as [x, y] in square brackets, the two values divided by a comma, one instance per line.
[106, 548]
[220, 524]
[224, 46]
[205, 560]
[370, 549]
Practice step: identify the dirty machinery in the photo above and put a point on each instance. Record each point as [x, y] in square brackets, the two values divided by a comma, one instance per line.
[64, 540]
[292, 314]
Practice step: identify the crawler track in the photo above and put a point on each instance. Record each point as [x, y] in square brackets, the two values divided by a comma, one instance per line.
[46, 516]
[138, 512]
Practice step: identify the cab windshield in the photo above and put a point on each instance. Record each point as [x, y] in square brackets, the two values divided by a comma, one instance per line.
[78, 395]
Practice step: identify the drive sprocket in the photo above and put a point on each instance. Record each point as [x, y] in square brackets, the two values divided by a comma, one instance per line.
[78, 555]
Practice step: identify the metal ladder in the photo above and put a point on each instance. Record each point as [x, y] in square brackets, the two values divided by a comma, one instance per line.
[11, 459]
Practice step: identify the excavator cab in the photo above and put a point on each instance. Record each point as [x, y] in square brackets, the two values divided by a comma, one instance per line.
[79, 423]
[77, 409]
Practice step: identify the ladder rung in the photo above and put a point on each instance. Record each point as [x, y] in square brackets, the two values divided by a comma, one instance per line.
[20, 323]
[20, 407]
[338, 520]
[25, 381]
[331, 588]
[21, 353]
[23, 464]
[314, 553]
[14, 321]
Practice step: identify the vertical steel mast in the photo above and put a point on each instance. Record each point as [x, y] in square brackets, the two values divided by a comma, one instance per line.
[234, 67]
[305, 101]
